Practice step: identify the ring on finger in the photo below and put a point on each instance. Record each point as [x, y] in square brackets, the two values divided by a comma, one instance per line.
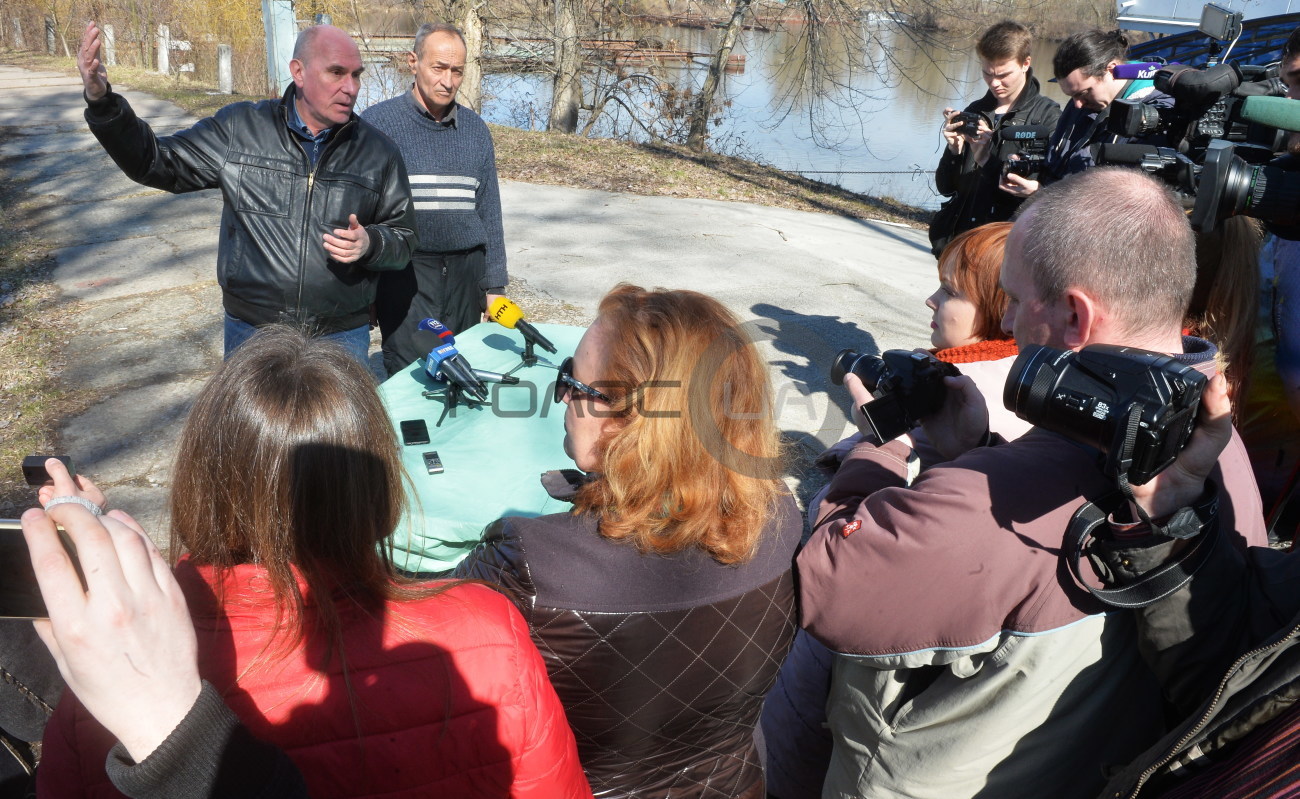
[82, 501]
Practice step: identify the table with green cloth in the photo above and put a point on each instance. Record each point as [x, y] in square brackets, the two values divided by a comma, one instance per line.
[493, 454]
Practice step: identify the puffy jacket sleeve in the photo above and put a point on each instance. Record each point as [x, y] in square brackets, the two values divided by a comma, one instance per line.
[392, 233]
[545, 755]
[186, 161]
[499, 559]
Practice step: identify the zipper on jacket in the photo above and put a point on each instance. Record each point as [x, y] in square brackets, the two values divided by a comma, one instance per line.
[306, 215]
[1205, 717]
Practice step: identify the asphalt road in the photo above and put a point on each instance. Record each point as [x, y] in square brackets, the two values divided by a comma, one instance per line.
[134, 268]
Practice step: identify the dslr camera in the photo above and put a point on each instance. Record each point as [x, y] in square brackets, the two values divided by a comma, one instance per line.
[1137, 407]
[970, 122]
[907, 386]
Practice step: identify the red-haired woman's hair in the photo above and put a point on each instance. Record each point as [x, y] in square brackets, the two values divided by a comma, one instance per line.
[973, 261]
[692, 457]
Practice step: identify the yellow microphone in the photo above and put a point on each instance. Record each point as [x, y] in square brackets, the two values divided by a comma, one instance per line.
[507, 314]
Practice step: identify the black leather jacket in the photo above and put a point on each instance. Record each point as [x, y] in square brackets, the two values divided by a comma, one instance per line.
[661, 662]
[271, 259]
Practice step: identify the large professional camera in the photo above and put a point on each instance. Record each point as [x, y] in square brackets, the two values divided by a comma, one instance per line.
[1207, 106]
[1137, 407]
[908, 386]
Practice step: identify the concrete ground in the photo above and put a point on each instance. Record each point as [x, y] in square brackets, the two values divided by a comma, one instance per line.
[135, 271]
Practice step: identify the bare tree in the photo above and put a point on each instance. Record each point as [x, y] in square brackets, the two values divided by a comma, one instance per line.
[703, 109]
[566, 88]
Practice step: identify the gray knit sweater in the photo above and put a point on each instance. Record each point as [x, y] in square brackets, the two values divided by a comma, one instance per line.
[453, 170]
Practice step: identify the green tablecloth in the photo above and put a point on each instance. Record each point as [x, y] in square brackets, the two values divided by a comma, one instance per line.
[493, 455]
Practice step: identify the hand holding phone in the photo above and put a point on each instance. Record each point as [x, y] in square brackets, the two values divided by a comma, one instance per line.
[125, 642]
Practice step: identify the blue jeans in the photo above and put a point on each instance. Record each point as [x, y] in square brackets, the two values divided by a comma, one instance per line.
[356, 341]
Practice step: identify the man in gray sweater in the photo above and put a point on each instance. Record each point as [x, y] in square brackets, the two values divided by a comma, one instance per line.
[460, 265]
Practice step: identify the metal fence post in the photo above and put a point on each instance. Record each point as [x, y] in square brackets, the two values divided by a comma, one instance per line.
[164, 49]
[108, 46]
[225, 75]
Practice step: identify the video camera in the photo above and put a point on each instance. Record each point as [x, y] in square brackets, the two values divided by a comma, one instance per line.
[1023, 149]
[1207, 106]
[1137, 407]
[908, 386]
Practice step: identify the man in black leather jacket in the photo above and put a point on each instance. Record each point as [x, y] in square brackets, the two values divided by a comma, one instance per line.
[316, 201]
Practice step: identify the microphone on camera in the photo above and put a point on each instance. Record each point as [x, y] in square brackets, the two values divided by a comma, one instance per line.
[446, 363]
[1275, 112]
[1025, 132]
[1143, 71]
[507, 314]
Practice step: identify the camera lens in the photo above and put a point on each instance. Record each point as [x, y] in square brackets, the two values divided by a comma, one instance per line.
[868, 368]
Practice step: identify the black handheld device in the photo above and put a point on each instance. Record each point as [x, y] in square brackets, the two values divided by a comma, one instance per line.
[20, 595]
[414, 431]
[34, 468]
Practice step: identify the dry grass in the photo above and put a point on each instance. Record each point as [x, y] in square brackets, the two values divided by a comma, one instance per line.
[30, 337]
[664, 170]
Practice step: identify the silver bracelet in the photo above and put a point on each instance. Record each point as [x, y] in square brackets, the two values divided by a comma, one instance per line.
[82, 501]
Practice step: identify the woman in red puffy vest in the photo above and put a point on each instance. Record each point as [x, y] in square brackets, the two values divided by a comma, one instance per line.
[287, 479]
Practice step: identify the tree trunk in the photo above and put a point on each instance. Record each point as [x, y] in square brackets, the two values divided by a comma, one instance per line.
[566, 91]
[699, 133]
[471, 24]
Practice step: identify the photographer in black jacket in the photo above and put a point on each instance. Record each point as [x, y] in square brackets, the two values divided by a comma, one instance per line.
[971, 167]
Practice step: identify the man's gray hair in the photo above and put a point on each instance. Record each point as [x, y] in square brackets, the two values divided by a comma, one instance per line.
[430, 28]
[1121, 236]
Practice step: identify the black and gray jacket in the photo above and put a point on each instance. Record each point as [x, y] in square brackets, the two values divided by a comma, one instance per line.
[1226, 648]
[271, 258]
[976, 198]
[661, 662]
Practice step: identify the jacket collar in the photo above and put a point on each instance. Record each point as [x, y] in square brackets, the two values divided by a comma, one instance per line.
[291, 95]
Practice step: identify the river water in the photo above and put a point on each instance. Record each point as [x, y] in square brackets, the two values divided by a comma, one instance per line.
[871, 130]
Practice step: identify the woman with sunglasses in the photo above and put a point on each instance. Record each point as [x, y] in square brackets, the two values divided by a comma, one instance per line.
[663, 602]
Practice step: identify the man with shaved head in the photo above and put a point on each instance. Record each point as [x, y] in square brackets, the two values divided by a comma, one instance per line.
[317, 202]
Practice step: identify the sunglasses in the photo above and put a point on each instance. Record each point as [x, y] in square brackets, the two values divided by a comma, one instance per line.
[565, 382]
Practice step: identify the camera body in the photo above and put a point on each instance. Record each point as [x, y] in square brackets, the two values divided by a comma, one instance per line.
[970, 122]
[1091, 395]
[907, 386]
[1022, 149]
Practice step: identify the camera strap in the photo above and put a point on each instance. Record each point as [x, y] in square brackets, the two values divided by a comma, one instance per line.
[1152, 587]
[1184, 524]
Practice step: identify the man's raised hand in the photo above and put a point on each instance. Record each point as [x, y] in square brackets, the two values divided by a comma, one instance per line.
[94, 78]
[348, 244]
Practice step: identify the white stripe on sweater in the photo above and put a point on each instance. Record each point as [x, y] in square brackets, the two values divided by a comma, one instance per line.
[445, 180]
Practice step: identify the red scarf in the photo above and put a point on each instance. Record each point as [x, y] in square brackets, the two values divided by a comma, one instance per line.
[993, 349]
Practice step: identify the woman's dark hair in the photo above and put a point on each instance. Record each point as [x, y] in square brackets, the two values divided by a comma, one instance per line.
[1091, 52]
[289, 460]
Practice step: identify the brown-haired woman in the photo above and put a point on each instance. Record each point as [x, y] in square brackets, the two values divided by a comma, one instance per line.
[663, 603]
[286, 481]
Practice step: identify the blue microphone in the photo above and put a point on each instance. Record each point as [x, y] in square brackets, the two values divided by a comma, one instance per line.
[446, 363]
